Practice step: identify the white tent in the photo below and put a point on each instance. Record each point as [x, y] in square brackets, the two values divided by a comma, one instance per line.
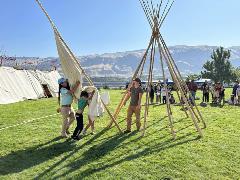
[49, 79]
[19, 85]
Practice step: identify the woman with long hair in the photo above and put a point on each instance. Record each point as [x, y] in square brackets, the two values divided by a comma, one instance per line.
[65, 100]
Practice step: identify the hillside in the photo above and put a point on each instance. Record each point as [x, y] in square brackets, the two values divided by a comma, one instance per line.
[122, 64]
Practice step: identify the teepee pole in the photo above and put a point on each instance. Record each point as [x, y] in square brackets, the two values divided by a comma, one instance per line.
[163, 17]
[121, 104]
[180, 100]
[167, 96]
[172, 61]
[146, 12]
[184, 84]
[147, 90]
[87, 77]
[175, 73]
[177, 92]
[180, 88]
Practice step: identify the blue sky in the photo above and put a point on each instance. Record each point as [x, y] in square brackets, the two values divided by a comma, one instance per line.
[99, 26]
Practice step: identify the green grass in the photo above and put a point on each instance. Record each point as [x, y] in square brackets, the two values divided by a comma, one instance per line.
[34, 150]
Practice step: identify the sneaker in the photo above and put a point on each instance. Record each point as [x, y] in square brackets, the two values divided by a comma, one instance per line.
[76, 138]
[84, 132]
[64, 135]
[127, 131]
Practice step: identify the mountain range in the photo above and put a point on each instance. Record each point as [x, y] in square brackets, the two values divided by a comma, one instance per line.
[189, 59]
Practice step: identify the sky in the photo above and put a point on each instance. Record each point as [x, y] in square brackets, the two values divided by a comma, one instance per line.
[102, 26]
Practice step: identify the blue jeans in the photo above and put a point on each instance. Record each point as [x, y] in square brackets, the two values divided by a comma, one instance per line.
[192, 97]
[193, 93]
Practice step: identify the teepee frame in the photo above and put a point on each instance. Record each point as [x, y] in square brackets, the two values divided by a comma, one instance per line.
[155, 21]
[75, 59]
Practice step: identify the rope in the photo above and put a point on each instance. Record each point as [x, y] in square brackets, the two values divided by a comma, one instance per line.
[26, 122]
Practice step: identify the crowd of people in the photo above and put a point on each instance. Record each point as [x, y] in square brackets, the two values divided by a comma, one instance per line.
[161, 93]
[218, 93]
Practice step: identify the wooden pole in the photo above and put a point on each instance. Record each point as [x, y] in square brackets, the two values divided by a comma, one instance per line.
[147, 91]
[122, 102]
[74, 58]
[167, 96]
[179, 74]
[172, 61]
[180, 100]
[180, 88]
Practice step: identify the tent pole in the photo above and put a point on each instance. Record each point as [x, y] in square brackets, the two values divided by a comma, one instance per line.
[167, 96]
[87, 77]
[121, 104]
[147, 92]
[180, 88]
[174, 64]
[180, 100]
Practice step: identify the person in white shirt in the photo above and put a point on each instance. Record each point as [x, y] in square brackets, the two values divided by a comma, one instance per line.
[164, 93]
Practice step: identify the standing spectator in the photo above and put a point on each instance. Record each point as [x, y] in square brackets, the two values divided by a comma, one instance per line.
[164, 93]
[158, 93]
[222, 94]
[212, 89]
[218, 89]
[193, 89]
[205, 89]
[151, 94]
[127, 84]
[235, 87]
[238, 94]
[171, 99]
[135, 93]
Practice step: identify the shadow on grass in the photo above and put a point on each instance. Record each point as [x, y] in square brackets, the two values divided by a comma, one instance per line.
[23, 159]
[18, 161]
[97, 152]
[217, 105]
[98, 135]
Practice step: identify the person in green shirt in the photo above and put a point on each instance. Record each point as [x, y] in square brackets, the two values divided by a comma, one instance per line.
[82, 103]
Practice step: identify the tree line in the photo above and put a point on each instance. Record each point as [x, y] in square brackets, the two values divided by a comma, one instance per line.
[219, 68]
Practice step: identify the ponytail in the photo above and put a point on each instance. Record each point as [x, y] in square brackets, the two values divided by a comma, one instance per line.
[68, 86]
[59, 93]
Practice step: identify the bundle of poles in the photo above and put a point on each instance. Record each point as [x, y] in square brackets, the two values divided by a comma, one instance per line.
[156, 16]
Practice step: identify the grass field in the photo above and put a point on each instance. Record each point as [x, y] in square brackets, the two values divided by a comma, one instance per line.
[34, 150]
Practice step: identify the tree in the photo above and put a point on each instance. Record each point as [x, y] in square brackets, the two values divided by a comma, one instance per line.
[193, 76]
[219, 68]
[237, 73]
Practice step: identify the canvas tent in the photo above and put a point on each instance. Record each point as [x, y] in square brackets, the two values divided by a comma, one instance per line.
[19, 85]
[48, 81]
